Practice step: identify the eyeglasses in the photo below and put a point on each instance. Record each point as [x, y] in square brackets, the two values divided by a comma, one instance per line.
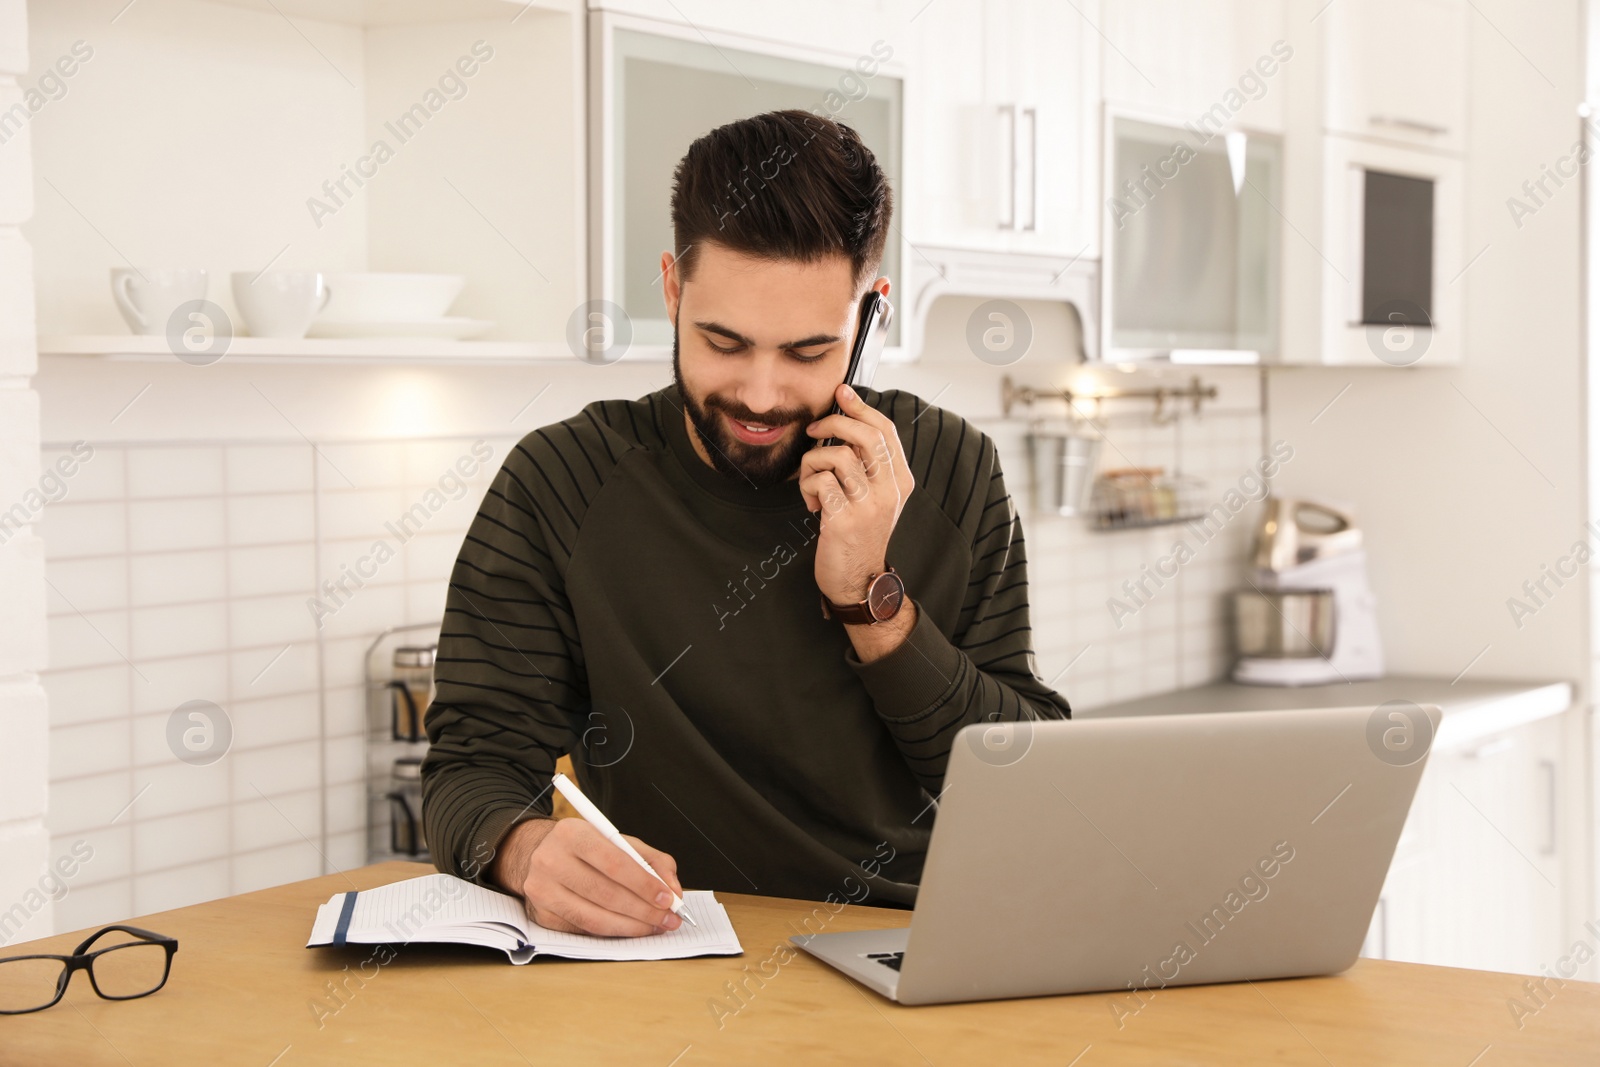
[136, 965]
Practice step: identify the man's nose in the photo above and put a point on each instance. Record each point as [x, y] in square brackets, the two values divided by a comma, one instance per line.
[761, 391]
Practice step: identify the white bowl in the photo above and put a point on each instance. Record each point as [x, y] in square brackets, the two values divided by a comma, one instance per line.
[375, 297]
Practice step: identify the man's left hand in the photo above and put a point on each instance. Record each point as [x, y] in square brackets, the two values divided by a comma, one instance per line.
[860, 486]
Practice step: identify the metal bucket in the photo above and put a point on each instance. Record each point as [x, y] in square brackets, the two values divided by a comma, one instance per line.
[1062, 466]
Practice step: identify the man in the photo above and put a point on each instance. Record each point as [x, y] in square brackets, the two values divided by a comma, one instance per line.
[643, 584]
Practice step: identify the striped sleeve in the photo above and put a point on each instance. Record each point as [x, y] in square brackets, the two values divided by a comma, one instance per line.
[511, 689]
[935, 683]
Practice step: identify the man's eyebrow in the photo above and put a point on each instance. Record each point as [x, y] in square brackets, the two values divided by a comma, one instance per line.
[733, 335]
[718, 328]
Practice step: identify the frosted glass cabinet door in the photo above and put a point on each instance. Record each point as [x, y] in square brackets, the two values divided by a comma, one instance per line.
[663, 92]
[1192, 240]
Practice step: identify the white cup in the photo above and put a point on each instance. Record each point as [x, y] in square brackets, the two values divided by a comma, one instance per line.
[148, 297]
[279, 303]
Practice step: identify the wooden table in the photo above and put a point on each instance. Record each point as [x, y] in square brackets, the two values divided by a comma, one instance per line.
[244, 991]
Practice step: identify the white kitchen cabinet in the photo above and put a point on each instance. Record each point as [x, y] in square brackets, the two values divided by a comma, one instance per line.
[1397, 71]
[832, 25]
[1181, 61]
[1004, 112]
[1408, 253]
[1475, 880]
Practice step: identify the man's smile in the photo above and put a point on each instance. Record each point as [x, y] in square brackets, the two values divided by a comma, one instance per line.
[754, 433]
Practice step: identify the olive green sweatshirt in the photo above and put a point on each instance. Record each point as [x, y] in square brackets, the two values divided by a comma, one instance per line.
[618, 599]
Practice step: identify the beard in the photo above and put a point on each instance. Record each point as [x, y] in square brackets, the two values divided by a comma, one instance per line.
[762, 466]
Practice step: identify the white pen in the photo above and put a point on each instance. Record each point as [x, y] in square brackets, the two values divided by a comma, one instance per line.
[597, 819]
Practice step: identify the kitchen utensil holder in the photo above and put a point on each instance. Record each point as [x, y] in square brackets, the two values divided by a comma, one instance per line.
[1196, 393]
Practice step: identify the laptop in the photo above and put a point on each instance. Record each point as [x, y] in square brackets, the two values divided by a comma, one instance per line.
[1131, 854]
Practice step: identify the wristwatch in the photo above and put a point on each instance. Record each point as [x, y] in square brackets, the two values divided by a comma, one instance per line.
[885, 593]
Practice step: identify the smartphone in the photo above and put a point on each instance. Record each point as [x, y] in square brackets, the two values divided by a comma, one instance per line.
[872, 329]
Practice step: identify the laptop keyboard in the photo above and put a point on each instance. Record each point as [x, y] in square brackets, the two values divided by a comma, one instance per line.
[890, 960]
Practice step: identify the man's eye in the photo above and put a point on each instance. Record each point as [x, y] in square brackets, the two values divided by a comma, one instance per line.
[725, 351]
[804, 358]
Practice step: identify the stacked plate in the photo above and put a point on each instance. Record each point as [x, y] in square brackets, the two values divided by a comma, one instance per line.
[395, 305]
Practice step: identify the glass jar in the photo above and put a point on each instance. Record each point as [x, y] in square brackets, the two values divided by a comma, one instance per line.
[406, 836]
[412, 689]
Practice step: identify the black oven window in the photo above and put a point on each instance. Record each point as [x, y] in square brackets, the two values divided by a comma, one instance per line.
[1397, 251]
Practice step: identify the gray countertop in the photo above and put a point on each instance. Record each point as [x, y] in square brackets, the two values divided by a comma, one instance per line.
[1471, 709]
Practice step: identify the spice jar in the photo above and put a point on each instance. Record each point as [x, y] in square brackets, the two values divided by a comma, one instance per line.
[406, 837]
[412, 689]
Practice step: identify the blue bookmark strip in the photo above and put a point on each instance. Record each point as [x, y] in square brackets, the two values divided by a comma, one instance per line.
[343, 927]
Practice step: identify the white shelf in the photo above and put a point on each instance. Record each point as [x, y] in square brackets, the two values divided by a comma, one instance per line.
[374, 350]
[403, 12]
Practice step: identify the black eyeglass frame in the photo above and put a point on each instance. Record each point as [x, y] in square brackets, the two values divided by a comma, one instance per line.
[83, 960]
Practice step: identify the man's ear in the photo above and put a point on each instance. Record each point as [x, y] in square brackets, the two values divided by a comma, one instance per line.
[670, 290]
[882, 285]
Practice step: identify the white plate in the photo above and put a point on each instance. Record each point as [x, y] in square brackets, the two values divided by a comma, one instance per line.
[451, 328]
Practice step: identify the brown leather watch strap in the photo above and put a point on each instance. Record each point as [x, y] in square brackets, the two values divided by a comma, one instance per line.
[886, 589]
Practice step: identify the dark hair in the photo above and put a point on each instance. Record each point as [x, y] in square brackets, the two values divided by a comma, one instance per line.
[784, 185]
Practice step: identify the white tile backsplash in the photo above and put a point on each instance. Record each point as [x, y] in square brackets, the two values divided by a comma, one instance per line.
[178, 630]
[178, 577]
[271, 621]
[170, 787]
[102, 475]
[288, 568]
[272, 519]
[274, 866]
[161, 685]
[269, 469]
[87, 905]
[269, 671]
[290, 818]
[360, 515]
[96, 584]
[171, 472]
[89, 694]
[288, 768]
[181, 886]
[173, 840]
[366, 463]
[166, 525]
[185, 574]
[275, 721]
[72, 530]
[88, 639]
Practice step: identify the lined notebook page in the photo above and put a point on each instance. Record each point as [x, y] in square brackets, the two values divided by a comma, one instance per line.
[441, 907]
[715, 936]
[404, 910]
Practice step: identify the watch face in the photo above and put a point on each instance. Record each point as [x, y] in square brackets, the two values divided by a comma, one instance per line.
[884, 595]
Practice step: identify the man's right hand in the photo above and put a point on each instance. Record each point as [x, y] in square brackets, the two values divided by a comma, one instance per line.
[571, 878]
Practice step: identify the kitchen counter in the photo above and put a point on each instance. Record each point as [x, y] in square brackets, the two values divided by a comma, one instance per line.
[245, 991]
[1471, 709]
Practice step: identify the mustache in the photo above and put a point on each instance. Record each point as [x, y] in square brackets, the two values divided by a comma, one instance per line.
[740, 413]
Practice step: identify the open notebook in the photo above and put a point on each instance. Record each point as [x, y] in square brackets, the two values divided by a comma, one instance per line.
[444, 908]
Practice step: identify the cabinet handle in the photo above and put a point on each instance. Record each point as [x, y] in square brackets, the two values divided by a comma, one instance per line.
[1549, 847]
[1413, 125]
[1010, 223]
[1033, 168]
